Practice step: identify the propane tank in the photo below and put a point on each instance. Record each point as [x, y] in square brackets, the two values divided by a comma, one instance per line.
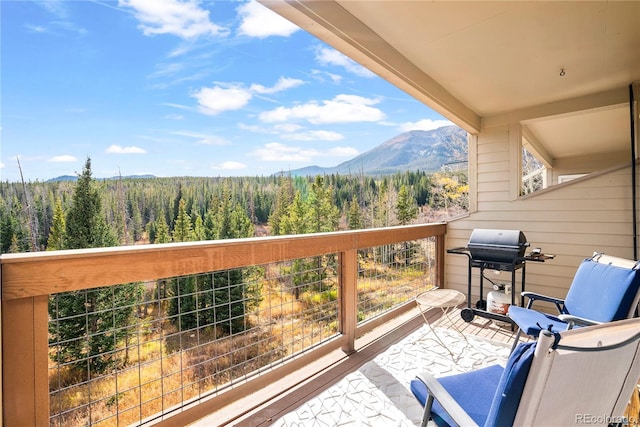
[498, 302]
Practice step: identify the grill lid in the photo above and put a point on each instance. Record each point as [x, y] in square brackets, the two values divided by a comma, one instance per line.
[497, 245]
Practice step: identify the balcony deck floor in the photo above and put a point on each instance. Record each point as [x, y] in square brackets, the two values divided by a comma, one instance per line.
[371, 387]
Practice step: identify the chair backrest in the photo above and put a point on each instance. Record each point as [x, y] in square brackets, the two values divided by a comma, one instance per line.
[511, 385]
[586, 378]
[604, 289]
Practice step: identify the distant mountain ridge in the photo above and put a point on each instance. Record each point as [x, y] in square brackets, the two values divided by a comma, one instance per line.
[75, 178]
[421, 150]
[424, 150]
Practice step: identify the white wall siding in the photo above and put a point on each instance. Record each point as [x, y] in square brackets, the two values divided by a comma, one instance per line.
[571, 220]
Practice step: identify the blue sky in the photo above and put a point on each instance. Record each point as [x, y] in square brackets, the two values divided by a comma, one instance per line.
[182, 88]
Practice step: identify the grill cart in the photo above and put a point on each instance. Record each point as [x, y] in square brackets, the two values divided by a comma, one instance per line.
[499, 250]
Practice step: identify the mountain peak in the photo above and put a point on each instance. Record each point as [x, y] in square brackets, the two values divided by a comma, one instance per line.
[425, 150]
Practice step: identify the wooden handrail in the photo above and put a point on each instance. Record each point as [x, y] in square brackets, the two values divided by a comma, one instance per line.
[43, 273]
[29, 278]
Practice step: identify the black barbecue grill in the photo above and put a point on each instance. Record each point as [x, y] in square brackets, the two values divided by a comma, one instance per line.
[501, 250]
[500, 247]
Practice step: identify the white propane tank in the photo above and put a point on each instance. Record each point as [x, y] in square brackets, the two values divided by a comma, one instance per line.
[498, 302]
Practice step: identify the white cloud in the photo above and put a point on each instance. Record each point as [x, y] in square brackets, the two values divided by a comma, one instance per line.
[118, 149]
[234, 96]
[283, 83]
[341, 109]
[230, 165]
[64, 158]
[277, 152]
[259, 21]
[424, 124]
[55, 7]
[202, 138]
[255, 128]
[293, 132]
[61, 21]
[313, 135]
[179, 106]
[36, 28]
[215, 100]
[320, 75]
[287, 127]
[343, 152]
[166, 69]
[183, 19]
[328, 56]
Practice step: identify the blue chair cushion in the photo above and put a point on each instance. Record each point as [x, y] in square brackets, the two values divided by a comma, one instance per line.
[473, 390]
[530, 321]
[602, 292]
[490, 396]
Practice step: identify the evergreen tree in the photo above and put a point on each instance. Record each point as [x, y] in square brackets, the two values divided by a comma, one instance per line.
[176, 204]
[14, 235]
[233, 297]
[14, 248]
[182, 230]
[6, 229]
[324, 214]
[162, 234]
[406, 212]
[382, 206]
[406, 208]
[295, 219]
[314, 215]
[199, 233]
[137, 223]
[354, 216]
[284, 198]
[150, 230]
[88, 326]
[57, 232]
[182, 290]
[223, 297]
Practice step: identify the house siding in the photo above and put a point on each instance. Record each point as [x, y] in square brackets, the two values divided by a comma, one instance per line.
[571, 221]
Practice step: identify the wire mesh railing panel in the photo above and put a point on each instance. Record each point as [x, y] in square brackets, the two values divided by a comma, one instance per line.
[127, 354]
[391, 275]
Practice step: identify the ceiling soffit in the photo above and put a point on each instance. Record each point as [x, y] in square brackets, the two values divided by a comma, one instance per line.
[482, 63]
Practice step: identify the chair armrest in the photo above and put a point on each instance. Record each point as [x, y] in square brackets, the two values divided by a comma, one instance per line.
[439, 393]
[559, 302]
[579, 321]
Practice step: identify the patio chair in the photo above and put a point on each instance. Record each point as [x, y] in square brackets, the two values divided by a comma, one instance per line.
[544, 382]
[604, 289]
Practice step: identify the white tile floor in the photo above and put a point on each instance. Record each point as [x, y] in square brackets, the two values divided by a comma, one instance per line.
[378, 393]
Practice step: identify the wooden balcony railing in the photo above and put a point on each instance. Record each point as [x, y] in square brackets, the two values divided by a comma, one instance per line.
[30, 279]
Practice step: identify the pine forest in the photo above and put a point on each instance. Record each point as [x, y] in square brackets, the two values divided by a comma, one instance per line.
[147, 210]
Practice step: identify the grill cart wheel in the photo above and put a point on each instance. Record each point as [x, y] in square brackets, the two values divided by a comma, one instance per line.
[467, 314]
[481, 304]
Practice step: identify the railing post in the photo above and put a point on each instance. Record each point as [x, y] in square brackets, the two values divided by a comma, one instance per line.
[349, 298]
[25, 349]
[440, 242]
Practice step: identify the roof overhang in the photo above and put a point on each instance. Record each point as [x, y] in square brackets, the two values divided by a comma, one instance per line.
[561, 68]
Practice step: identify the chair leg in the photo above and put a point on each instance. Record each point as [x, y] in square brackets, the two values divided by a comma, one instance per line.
[426, 416]
[515, 340]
